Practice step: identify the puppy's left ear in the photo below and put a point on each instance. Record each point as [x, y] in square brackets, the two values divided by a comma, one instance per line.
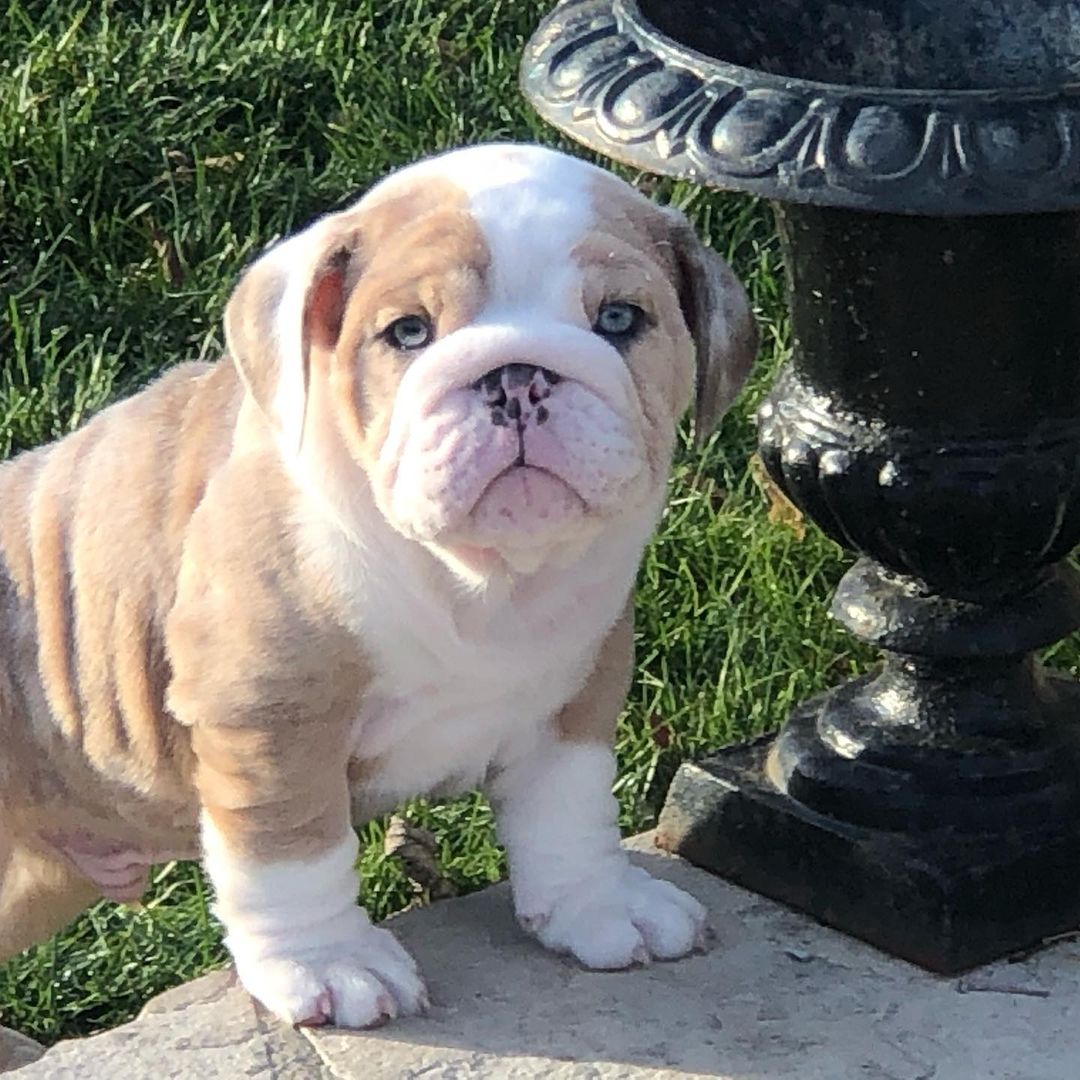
[289, 303]
[718, 314]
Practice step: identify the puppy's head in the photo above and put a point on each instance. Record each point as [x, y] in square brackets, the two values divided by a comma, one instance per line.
[497, 343]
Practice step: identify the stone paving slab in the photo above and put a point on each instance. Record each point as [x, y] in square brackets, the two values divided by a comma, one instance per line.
[775, 996]
[17, 1050]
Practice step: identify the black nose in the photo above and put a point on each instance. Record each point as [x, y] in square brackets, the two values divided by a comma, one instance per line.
[516, 392]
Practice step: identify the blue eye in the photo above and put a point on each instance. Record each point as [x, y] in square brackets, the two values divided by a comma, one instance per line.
[409, 332]
[618, 319]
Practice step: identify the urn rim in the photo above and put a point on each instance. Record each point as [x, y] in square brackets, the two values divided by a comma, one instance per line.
[599, 71]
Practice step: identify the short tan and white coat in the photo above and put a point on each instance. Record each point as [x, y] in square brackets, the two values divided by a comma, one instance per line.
[265, 599]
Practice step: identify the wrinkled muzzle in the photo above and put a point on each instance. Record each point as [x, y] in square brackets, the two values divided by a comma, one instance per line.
[513, 437]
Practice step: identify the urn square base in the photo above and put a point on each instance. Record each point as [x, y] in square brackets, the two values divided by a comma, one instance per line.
[945, 900]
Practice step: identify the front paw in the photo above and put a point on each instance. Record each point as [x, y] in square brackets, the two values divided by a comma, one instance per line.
[607, 927]
[355, 985]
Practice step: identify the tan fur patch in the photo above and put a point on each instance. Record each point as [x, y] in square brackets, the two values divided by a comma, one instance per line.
[434, 265]
[713, 305]
[81, 627]
[595, 711]
[39, 894]
[263, 672]
[89, 549]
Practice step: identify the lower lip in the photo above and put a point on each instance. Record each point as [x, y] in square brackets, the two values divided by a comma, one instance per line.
[527, 495]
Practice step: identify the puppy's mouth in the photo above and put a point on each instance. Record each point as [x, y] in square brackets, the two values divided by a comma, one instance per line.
[525, 501]
[522, 460]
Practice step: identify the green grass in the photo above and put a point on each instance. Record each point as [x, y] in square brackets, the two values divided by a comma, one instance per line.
[147, 152]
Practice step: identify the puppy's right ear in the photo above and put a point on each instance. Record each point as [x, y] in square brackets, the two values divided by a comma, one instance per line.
[289, 302]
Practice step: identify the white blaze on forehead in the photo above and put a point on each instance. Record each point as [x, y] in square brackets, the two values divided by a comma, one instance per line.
[532, 205]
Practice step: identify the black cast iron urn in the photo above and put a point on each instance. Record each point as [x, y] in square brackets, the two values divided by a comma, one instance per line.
[923, 162]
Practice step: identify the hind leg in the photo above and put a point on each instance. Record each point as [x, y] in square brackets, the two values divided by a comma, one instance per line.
[39, 894]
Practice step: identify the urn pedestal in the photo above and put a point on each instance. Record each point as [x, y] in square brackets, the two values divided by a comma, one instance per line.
[923, 161]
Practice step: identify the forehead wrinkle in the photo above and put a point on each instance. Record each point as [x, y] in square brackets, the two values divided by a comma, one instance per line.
[615, 268]
[458, 296]
[438, 248]
[434, 238]
[394, 270]
[603, 251]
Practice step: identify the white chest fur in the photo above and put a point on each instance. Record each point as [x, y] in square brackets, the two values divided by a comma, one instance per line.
[463, 680]
[439, 730]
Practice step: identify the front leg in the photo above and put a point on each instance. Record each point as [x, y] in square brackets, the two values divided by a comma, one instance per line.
[281, 856]
[301, 944]
[268, 685]
[574, 886]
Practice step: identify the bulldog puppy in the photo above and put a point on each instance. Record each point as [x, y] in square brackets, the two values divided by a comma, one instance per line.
[384, 547]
